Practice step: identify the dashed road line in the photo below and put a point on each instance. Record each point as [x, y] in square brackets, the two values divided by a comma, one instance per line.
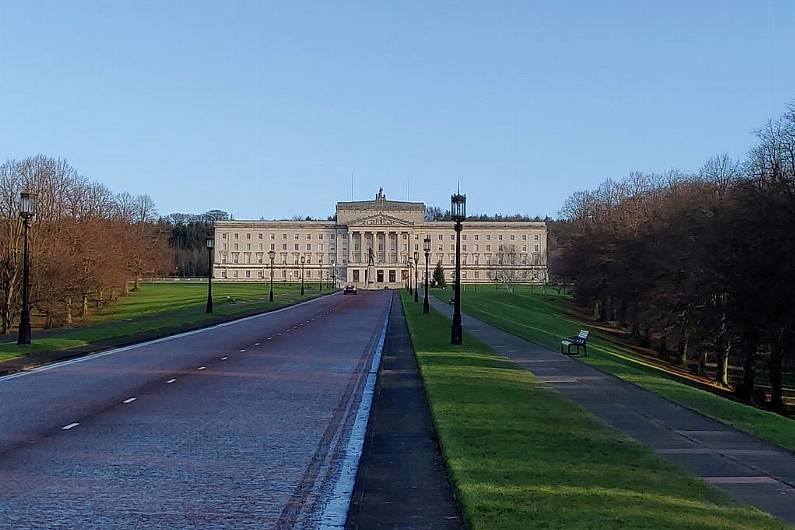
[70, 426]
[170, 381]
[201, 367]
[224, 358]
[241, 351]
[257, 343]
[129, 400]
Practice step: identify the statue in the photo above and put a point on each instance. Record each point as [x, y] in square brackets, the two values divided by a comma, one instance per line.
[370, 256]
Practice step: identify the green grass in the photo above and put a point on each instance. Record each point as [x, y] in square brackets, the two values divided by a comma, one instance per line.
[542, 319]
[523, 456]
[160, 307]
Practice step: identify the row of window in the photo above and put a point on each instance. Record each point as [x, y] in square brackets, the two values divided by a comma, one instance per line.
[236, 246]
[283, 273]
[417, 236]
[272, 235]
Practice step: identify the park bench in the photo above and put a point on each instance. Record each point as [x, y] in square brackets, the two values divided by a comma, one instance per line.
[578, 341]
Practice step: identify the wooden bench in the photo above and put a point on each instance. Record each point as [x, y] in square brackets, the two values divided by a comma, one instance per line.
[578, 341]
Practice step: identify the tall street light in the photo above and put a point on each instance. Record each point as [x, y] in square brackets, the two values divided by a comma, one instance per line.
[320, 282]
[458, 212]
[27, 209]
[271, 255]
[426, 308]
[416, 272]
[333, 274]
[210, 245]
[410, 262]
[303, 260]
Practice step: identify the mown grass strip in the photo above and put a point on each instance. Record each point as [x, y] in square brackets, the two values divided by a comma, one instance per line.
[523, 456]
[159, 307]
[541, 318]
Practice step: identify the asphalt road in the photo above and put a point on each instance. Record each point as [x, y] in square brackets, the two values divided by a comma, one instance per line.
[243, 425]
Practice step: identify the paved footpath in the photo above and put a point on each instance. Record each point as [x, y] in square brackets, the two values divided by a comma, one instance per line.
[243, 425]
[402, 481]
[751, 470]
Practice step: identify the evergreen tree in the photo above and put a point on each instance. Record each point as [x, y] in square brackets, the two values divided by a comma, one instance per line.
[438, 275]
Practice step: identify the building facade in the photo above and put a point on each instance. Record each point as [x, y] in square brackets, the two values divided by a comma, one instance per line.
[389, 232]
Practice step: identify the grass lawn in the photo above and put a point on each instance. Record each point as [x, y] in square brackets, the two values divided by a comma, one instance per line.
[541, 318]
[523, 456]
[158, 307]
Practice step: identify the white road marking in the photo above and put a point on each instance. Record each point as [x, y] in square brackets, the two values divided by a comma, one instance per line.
[170, 381]
[241, 351]
[70, 426]
[256, 344]
[224, 358]
[201, 367]
[269, 338]
[129, 400]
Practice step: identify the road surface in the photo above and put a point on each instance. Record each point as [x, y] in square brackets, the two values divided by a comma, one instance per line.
[242, 425]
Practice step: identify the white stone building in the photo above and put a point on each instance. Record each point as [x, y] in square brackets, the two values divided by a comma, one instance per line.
[506, 251]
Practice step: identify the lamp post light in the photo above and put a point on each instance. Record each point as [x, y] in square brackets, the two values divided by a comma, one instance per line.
[416, 273]
[27, 209]
[210, 245]
[271, 255]
[303, 260]
[426, 308]
[333, 274]
[458, 209]
[410, 261]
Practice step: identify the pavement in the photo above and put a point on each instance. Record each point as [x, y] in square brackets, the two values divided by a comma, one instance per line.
[751, 470]
[242, 425]
[402, 481]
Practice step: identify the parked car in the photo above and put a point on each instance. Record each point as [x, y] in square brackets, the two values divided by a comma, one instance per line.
[349, 289]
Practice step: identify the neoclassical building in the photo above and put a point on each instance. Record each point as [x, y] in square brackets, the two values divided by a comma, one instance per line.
[505, 251]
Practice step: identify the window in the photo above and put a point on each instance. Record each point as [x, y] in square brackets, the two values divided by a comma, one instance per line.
[248, 246]
[284, 236]
[488, 247]
[273, 236]
[309, 236]
[284, 246]
[259, 274]
[477, 247]
[260, 246]
[223, 246]
[476, 261]
[320, 236]
[273, 247]
[440, 237]
[296, 246]
[236, 247]
[476, 237]
[477, 274]
[500, 237]
[524, 248]
[259, 236]
[248, 236]
[535, 237]
[234, 274]
[464, 237]
[464, 248]
[295, 236]
[452, 237]
[223, 274]
[512, 237]
[535, 248]
[309, 246]
[488, 237]
[223, 236]
[248, 274]
[452, 247]
[236, 235]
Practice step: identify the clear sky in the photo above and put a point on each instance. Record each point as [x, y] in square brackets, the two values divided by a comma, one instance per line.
[267, 108]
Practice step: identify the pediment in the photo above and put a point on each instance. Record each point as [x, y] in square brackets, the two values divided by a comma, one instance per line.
[380, 220]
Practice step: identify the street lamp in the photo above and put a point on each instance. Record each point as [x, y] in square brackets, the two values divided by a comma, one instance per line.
[320, 282]
[426, 308]
[271, 255]
[416, 272]
[210, 245]
[302, 275]
[333, 274]
[458, 212]
[410, 263]
[27, 209]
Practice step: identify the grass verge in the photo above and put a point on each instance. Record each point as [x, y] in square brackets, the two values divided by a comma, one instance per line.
[159, 308]
[542, 319]
[523, 456]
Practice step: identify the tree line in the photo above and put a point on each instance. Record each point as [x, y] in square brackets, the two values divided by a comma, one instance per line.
[87, 244]
[699, 266]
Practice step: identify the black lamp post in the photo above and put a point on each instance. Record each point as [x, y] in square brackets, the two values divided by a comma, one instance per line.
[410, 262]
[210, 245]
[333, 275]
[302, 275]
[27, 209]
[426, 308]
[458, 209]
[416, 273]
[271, 255]
[320, 282]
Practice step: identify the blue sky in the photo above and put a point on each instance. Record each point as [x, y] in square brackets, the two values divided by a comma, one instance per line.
[267, 108]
